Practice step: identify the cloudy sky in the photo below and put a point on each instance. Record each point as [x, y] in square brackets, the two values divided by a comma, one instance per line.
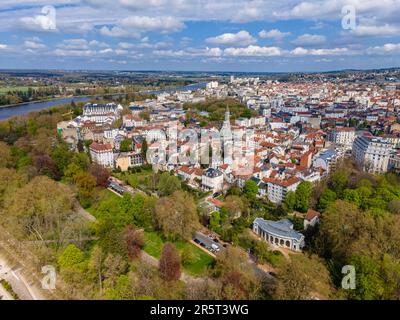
[208, 35]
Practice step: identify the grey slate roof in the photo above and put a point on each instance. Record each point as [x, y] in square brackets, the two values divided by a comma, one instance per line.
[282, 228]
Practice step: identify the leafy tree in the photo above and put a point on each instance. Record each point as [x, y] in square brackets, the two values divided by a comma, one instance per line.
[85, 183]
[369, 283]
[290, 201]
[394, 206]
[10, 181]
[168, 184]
[46, 166]
[170, 263]
[352, 196]
[237, 275]
[187, 256]
[126, 145]
[111, 238]
[338, 181]
[114, 266]
[96, 264]
[236, 286]
[303, 194]
[61, 156]
[71, 171]
[261, 251]
[40, 210]
[342, 226]
[215, 220]
[134, 241]
[143, 150]
[246, 114]
[100, 173]
[250, 189]
[231, 259]
[70, 257]
[297, 280]
[234, 191]
[5, 155]
[327, 198]
[235, 206]
[82, 160]
[176, 215]
[123, 289]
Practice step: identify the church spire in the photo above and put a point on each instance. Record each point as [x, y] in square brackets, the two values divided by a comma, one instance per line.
[227, 115]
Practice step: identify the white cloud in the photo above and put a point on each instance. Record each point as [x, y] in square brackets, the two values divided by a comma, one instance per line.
[121, 52]
[373, 30]
[74, 53]
[46, 21]
[3, 46]
[118, 32]
[273, 34]
[74, 44]
[98, 44]
[106, 51]
[388, 48]
[319, 52]
[139, 4]
[133, 26]
[253, 51]
[242, 38]
[125, 45]
[309, 40]
[34, 44]
[190, 52]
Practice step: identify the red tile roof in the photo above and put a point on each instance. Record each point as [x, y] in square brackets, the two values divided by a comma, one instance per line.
[98, 147]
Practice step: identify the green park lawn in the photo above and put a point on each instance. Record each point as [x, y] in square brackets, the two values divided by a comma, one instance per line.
[154, 244]
[153, 240]
[4, 90]
[106, 196]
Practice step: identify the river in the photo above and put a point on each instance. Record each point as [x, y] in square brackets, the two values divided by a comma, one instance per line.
[24, 108]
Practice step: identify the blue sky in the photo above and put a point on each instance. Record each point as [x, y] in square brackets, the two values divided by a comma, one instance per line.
[207, 35]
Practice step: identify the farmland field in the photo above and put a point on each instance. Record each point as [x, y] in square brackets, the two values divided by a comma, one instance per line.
[4, 90]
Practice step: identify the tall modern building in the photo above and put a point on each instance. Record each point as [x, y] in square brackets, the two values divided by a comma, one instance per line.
[372, 153]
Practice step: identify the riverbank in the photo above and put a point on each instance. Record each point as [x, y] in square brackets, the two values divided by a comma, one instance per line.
[9, 111]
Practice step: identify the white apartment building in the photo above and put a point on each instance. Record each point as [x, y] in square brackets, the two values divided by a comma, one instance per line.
[212, 179]
[372, 153]
[277, 189]
[102, 154]
[212, 85]
[343, 136]
[326, 160]
[101, 113]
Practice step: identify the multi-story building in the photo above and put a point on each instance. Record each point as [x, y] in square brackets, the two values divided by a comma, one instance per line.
[212, 179]
[126, 160]
[101, 113]
[343, 136]
[277, 189]
[102, 154]
[326, 160]
[372, 153]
